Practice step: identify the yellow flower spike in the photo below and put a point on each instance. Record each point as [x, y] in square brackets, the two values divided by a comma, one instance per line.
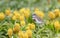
[28, 10]
[22, 23]
[32, 26]
[22, 10]
[7, 12]
[51, 15]
[56, 12]
[36, 9]
[21, 18]
[20, 34]
[59, 14]
[40, 14]
[17, 14]
[29, 24]
[29, 32]
[37, 12]
[10, 32]
[26, 14]
[16, 29]
[14, 17]
[27, 28]
[11, 15]
[57, 25]
[2, 16]
[25, 35]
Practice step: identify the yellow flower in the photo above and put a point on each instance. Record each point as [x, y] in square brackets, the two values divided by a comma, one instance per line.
[28, 9]
[11, 15]
[7, 12]
[21, 34]
[36, 9]
[2, 16]
[29, 32]
[51, 15]
[56, 12]
[26, 13]
[37, 12]
[25, 35]
[22, 23]
[40, 14]
[27, 28]
[17, 14]
[22, 10]
[10, 32]
[59, 14]
[32, 26]
[22, 17]
[14, 17]
[57, 25]
[16, 29]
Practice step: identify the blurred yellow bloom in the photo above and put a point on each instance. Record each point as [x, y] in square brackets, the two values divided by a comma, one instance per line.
[29, 32]
[56, 12]
[40, 14]
[27, 9]
[25, 35]
[36, 9]
[21, 18]
[7, 12]
[22, 10]
[11, 15]
[14, 17]
[10, 32]
[32, 26]
[21, 34]
[17, 14]
[57, 25]
[26, 13]
[2, 16]
[27, 28]
[22, 23]
[51, 15]
[59, 14]
[16, 29]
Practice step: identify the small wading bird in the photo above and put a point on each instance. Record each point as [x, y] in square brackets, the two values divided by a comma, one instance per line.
[37, 19]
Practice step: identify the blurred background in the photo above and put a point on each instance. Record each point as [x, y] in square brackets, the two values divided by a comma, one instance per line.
[17, 4]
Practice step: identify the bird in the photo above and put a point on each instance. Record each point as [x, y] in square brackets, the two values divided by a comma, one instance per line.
[37, 19]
